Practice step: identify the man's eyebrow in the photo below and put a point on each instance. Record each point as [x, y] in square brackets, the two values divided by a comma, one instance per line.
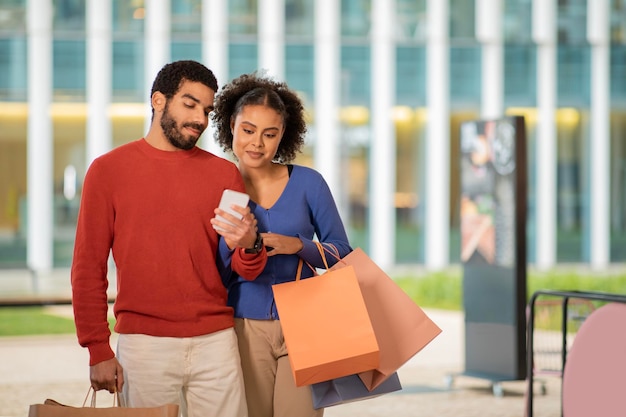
[189, 96]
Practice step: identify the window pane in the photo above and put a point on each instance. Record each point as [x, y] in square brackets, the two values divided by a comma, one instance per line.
[618, 21]
[128, 71]
[571, 201]
[187, 49]
[355, 75]
[517, 21]
[410, 125]
[462, 19]
[242, 17]
[12, 16]
[299, 15]
[187, 16]
[69, 15]
[411, 20]
[300, 67]
[572, 22]
[128, 16]
[242, 59]
[618, 186]
[573, 76]
[69, 69]
[355, 18]
[13, 67]
[411, 75]
[520, 75]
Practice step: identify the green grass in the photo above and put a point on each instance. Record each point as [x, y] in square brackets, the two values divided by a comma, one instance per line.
[441, 290]
[436, 290]
[19, 321]
[444, 291]
[23, 321]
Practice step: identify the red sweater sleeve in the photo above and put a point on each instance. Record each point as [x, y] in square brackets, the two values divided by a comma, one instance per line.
[89, 268]
[249, 266]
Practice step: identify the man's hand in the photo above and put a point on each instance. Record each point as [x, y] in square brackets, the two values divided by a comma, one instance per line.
[107, 375]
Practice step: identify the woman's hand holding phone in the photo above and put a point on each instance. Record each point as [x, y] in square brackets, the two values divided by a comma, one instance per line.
[234, 221]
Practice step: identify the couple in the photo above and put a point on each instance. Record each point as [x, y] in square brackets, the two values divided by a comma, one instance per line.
[153, 202]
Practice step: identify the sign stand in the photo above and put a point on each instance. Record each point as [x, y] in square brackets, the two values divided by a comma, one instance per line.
[493, 249]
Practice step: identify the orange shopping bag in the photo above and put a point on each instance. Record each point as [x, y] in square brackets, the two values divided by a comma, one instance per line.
[326, 326]
[401, 326]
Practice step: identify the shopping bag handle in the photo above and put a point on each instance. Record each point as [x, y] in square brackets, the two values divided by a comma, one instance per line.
[322, 250]
[321, 247]
[116, 398]
[301, 262]
[299, 270]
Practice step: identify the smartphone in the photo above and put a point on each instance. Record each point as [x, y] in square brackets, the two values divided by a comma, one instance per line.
[229, 198]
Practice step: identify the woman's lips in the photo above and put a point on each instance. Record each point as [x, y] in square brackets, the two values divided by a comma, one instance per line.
[254, 154]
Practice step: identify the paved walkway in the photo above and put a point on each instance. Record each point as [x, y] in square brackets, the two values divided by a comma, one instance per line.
[33, 368]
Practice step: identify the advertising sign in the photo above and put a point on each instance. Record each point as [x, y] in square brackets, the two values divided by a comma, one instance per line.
[493, 247]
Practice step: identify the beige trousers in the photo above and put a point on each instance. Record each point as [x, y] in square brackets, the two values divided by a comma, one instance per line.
[270, 388]
[202, 374]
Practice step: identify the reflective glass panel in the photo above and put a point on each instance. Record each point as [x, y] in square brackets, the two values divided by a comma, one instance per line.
[242, 17]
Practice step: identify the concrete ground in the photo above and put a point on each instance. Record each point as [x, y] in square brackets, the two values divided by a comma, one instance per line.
[33, 368]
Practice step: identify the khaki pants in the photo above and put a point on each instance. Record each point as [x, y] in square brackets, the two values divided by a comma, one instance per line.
[202, 374]
[270, 388]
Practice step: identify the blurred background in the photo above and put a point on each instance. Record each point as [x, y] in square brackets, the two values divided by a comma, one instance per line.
[387, 85]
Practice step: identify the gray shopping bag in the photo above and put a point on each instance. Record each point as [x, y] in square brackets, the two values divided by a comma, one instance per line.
[350, 388]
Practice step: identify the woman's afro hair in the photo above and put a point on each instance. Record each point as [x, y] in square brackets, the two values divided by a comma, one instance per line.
[259, 89]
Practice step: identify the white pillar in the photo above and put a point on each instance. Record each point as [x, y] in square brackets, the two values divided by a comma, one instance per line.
[40, 139]
[327, 155]
[544, 35]
[382, 157]
[99, 78]
[271, 27]
[157, 45]
[489, 34]
[598, 25]
[215, 55]
[437, 159]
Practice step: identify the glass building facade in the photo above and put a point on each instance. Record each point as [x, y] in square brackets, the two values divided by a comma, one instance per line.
[573, 113]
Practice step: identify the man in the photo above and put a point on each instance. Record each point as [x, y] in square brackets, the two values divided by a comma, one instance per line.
[151, 202]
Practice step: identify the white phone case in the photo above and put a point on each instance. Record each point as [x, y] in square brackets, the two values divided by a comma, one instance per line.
[229, 198]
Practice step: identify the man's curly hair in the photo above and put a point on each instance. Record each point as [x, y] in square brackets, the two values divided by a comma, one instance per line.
[258, 89]
[171, 76]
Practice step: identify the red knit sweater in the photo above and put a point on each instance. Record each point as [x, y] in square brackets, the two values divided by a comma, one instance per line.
[153, 209]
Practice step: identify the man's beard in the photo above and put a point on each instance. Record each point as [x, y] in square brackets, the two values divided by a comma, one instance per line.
[173, 134]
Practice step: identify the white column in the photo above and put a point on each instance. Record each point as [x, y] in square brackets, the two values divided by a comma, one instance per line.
[99, 78]
[271, 27]
[157, 31]
[382, 157]
[327, 155]
[598, 25]
[489, 34]
[437, 160]
[215, 55]
[544, 35]
[40, 139]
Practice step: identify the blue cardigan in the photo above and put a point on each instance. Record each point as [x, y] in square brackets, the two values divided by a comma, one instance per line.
[305, 209]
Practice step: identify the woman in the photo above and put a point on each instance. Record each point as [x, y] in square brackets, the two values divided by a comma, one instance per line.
[262, 122]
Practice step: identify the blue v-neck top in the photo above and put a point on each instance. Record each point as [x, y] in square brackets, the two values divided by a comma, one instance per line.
[306, 209]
